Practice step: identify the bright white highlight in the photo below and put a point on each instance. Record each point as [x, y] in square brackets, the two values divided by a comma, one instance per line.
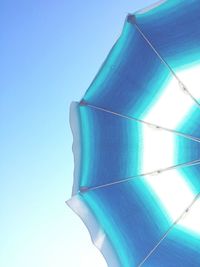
[171, 108]
[191, 78]
[192, 218]
[173, 192]
[158, 150]
[100, 239]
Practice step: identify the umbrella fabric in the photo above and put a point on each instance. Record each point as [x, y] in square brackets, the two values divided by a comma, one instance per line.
[137, 142]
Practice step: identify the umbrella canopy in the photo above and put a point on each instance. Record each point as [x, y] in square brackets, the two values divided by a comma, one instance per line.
[137, 142]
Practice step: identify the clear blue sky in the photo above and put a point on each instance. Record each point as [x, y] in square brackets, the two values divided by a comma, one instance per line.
[50, 52]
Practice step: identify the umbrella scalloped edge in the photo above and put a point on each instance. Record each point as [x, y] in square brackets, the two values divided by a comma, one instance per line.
[97, 235]
[150, 7]
[76, 147]
[77, 204]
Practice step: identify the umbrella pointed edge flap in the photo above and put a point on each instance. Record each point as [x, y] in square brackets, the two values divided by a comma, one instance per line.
[76, 147]
[97, 235]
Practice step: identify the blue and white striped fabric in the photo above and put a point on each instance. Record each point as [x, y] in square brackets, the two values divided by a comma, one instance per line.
[137, 142]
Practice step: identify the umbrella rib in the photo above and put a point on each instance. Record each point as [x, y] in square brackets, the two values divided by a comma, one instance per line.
[84, 103]
[170, 229]
[185, 164]
[181, 84]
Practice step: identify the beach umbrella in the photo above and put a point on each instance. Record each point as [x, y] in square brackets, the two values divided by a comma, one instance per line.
[137, 142]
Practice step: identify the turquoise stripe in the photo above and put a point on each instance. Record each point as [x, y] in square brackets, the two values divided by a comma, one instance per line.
[130, 82]
[86, 148]
[111, 63]
[117, 240]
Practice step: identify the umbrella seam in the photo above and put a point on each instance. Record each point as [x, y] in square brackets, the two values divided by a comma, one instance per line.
[185, 164]
[158, 127]
[170, 228]
[181, 84]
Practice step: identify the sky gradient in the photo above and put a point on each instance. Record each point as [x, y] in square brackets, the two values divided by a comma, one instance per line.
[51, 51]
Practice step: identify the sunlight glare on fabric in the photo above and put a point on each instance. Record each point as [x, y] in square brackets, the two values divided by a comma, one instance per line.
[191, 220]
[173, 192]
[191, 79]
[171, 107]
[157, 149]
